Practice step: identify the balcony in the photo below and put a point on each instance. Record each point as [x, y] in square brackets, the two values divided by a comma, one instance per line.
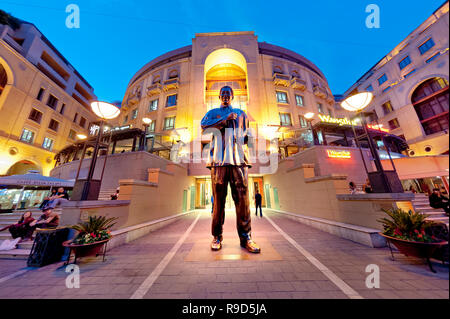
[134, 98]
[320, 92]
[297, 83]
[154, 89]
[281, 79]
[171, 84]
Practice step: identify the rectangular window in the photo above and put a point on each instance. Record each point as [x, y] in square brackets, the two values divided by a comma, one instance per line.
[72, 134]
[75, 118]
[82, 122]
[134, 114]
[169, 123]
[52, 101]
[382, 79]
[386, 89]
[282, 97]
[48, 143]
[303, 122]
[285, 119]
[427, 45]
[299, 100]
[27, 136]
[63, 106]
[369, 88]
[387, 107]
[403, 63]
[151, 127]
[40, 94]
[153, 105]
[433, 57]
[53, 125]
[409, 73]
[330, 112]
[320, 108]
[393, 124]
[171, 100]
[35, 115]
[125, 119]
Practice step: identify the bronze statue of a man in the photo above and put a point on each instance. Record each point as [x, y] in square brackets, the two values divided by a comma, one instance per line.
[229, 163]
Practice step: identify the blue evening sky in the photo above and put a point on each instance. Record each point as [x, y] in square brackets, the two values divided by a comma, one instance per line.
[116, 38]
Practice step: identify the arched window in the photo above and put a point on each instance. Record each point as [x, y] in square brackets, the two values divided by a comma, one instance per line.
[430, 100]
[277, 69]
[156, 79]
[173, 74]
[295, 74]
[3, 78]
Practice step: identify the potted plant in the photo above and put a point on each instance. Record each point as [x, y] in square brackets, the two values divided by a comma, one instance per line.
[410, 233]
[93, 235]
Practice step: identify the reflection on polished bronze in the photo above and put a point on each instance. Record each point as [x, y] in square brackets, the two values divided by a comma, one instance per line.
[229, 163]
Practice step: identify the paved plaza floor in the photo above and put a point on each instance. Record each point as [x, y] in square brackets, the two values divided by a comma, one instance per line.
[296, 261]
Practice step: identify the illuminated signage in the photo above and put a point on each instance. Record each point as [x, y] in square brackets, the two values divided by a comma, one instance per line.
[378, 127]
[338, 121]
[339, 154]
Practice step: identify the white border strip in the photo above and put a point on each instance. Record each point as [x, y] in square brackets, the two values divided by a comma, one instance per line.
[13, 275]
[342, 285]
[149, 281]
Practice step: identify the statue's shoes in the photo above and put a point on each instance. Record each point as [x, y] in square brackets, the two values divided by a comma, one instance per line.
[216, 243]
[251, 246]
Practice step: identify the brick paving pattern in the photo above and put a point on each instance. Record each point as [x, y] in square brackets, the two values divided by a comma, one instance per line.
[294, 276]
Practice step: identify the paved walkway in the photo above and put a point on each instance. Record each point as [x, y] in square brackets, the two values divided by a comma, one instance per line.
[175, 262]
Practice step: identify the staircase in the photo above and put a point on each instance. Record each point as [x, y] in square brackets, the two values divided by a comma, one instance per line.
[23, 249]
[105, 194]
[422, 204]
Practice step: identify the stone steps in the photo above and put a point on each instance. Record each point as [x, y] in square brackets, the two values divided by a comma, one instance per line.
[15, 254]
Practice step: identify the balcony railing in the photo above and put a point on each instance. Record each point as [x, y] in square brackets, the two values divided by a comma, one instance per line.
[171, 84]
[320, 92]
[281, 79]
[297, 83]
[134, 98]
[154, 89]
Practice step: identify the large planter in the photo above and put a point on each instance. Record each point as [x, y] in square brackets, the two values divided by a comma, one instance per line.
[85, 250]
[414, 248]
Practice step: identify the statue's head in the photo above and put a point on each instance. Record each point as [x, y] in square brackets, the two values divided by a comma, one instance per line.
[226, 95]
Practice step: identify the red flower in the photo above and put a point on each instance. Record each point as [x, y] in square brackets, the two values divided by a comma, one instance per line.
[416, 231]
[419, 236]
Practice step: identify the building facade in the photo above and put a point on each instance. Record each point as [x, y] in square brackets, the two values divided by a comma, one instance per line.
[44, 101]
[411, 87]
[275, 86]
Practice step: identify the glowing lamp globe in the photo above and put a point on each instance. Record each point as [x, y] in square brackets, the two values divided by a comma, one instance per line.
[309, 115]
[105, 110]
[146, 120]
[357, 102]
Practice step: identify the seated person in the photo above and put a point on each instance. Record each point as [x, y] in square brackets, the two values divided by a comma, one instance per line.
[57, 199]
[367, 187]
[352, 188]
[22, 228]
[47, 199]
[437, 200]
[49, 219]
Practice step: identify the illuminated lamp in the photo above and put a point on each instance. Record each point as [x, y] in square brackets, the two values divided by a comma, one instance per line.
[357, 102]
[105, 110]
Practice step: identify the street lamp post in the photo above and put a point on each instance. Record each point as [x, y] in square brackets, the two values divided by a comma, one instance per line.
[309, 118]
[381, 180]
[146, 122]
[89, 189]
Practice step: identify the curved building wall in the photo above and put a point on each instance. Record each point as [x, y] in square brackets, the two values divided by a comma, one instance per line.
[269, 69]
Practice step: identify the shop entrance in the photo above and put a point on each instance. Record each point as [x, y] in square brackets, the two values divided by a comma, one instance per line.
[204, 193]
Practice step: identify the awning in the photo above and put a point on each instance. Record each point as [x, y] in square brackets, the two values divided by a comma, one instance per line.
[34, 179]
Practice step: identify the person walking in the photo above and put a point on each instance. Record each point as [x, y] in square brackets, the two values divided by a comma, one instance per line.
[258, 203]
